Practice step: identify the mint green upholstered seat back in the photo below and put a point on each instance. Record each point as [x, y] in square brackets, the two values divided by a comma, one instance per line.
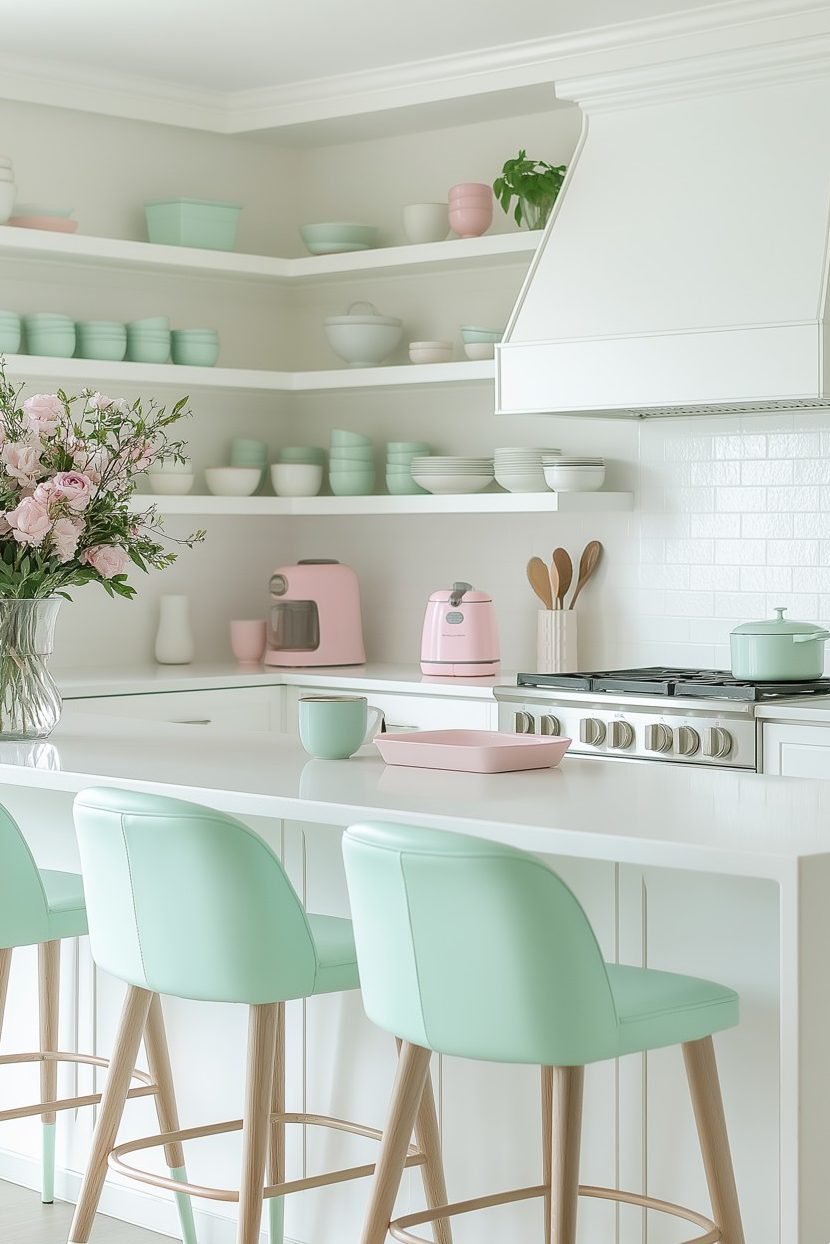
[187, 901]
[24, 918]
[475, 949]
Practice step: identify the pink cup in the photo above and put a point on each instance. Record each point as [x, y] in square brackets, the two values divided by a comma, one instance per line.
[248, 641]
[470, 190]
[471, 222]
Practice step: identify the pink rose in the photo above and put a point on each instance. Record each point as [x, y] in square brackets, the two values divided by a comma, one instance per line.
[42, 413]
[98, 401]
[21, 460]
[107, 559]
[73, 487]
[30, 522]
[65, 537]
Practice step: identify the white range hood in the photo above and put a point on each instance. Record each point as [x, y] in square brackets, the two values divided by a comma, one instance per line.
[685, 269]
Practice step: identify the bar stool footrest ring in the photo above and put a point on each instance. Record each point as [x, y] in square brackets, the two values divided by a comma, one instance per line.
[414, 1157]
[398, 1228]
[147, 1086]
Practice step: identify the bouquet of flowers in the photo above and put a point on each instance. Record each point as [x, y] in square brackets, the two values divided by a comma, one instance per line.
[68, 471]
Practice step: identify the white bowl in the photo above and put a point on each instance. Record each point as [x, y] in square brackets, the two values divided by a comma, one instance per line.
[233, 481]
[514, 482]
[444, 484]
[363, 340]
[426, 222]
[480, 350]
[169, 466]
[574, 478]
[297, 479]
[430, 351]
[170, 485]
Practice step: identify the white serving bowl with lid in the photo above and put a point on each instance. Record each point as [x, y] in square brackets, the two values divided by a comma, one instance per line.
[363, 337]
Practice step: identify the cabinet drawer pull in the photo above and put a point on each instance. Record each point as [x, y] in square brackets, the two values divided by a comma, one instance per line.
[192, 721]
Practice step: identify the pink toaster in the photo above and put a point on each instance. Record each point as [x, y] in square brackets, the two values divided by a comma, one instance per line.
[460, 636]
[314, 616]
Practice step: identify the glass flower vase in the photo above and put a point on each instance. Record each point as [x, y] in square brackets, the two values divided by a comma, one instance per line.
[535, 215]
[30, 703]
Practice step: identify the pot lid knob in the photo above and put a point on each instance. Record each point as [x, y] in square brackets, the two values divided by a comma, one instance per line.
[780, 610]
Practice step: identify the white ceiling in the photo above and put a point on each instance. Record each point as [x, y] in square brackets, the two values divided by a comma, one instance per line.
[240, 45]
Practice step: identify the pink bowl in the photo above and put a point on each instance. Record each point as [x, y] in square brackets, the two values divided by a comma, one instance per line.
[55, 224]
[477, 203]
[470, 189]
[471, 222]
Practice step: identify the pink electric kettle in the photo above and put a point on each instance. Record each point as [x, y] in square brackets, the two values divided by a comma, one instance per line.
[460, 636]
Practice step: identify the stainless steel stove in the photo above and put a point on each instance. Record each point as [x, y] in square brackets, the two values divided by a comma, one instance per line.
[702, 717]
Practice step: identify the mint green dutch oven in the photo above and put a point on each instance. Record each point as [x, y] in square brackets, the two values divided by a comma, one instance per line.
[778, 650]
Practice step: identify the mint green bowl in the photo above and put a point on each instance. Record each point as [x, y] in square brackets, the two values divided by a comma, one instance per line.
[148, 349]
[342, 439]
[401, 486]
[352, 484]
[193, 222]
[193, 352]
[338, 237]
[56, 343]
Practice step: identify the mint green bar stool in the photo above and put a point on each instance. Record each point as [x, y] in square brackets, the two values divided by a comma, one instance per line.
[184, 900]
[42, 907]
[480, 951]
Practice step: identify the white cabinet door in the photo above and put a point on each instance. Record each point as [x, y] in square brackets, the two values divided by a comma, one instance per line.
[230, 708]
[796, 750]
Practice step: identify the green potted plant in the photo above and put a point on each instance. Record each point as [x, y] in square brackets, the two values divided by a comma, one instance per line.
[534, 185]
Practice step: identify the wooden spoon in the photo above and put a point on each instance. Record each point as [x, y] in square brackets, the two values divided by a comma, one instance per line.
[539, 579]
[555, 588]
[564, 571]
[587, 565]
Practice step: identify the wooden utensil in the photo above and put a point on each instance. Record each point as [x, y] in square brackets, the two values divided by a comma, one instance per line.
[539, 579]
[555, 589]
[565, 573]
[587, 565]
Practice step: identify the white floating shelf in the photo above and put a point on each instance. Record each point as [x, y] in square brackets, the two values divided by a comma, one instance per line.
[456, 254]
[468, 503]
[91, 372]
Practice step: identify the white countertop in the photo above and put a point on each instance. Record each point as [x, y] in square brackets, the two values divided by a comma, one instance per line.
[661, 815]
[808, 708]
[145, 679]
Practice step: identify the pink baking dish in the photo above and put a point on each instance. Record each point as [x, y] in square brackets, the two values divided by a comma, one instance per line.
[473, 751]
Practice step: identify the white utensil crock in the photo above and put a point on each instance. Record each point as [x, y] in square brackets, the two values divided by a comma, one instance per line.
[174, 637]
[556, 646]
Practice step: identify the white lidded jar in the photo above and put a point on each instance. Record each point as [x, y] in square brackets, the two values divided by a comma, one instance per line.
[174, 637]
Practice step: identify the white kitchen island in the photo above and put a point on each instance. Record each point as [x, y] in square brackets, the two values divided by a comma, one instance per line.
[721, 873]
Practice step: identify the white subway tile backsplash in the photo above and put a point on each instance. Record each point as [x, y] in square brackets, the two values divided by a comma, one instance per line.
[764, 472]
[766, 579]
[771, 526]
[736, 522]
[802, 444]
[740, 552]
[791, 500]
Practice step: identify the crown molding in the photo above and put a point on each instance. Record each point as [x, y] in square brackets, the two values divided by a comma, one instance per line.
[585, 54]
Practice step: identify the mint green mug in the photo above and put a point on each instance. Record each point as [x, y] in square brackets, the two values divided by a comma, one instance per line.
[333, 727]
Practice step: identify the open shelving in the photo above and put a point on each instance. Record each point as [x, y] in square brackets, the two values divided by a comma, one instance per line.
[456, 254]
[94, 371]
[455, 503]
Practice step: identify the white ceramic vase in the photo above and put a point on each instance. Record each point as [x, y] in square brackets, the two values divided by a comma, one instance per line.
[556, 646]
[174, 637]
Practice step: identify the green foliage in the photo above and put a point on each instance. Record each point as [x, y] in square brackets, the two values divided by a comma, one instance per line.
[529, 181]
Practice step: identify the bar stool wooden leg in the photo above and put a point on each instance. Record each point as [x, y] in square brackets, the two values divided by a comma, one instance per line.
[158, 1059]
[122, 1063]
[566, 1140]
[432, 1171]
[49, 968]
[547, 1142]
[276, 1142]
[262, 1036]
[704, 1086]
[413, 1069]
[5, 968]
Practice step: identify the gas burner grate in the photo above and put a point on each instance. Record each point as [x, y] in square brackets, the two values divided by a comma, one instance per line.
[693, 684]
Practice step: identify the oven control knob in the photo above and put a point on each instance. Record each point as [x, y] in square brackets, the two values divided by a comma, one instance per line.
[550, 725]
[659, 738]
[688, 741]
[718, 743]
[622, 734]
[523, 723]
[592, 731]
